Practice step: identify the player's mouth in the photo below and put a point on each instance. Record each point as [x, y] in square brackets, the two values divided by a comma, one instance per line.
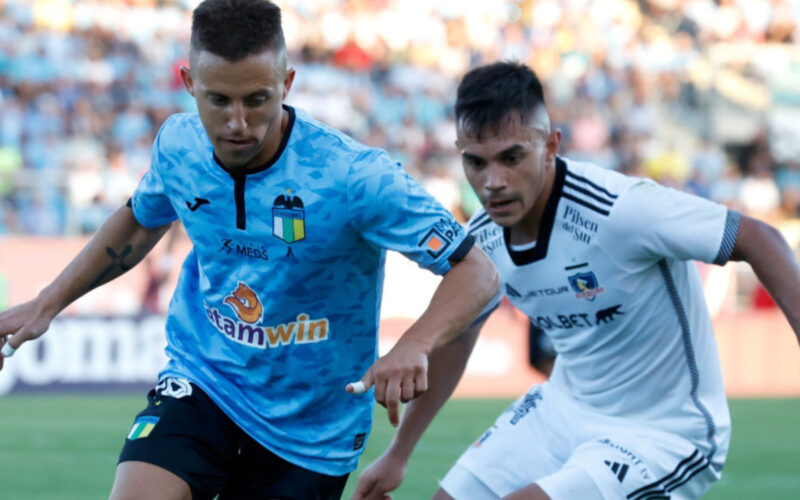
[500, 207]
[240, 144]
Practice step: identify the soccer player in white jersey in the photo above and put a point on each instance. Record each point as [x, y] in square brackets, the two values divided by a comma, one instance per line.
[635, 407]
[276, 307]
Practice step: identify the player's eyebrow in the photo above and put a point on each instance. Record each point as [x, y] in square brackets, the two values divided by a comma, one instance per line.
[219, 96]
[259, 93]
[516, 148]
[471, 157]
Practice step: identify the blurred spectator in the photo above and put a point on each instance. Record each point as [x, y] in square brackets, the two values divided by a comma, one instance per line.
[759, 192]
[668, 166]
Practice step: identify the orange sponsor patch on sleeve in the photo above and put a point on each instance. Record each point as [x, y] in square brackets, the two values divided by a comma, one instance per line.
[435, 244]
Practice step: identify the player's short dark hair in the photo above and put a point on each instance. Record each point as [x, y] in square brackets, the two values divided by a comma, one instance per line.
[488, 94]
[235, 29]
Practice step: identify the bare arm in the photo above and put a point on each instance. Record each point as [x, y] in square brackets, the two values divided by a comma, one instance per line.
[446, 368]
[119, 244]
[773, 261]
[460, 297]
[401, 375]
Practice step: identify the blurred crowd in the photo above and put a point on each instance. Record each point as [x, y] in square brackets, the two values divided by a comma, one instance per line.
[698, 94]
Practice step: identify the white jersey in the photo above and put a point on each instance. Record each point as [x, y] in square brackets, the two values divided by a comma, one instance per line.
[611, 282]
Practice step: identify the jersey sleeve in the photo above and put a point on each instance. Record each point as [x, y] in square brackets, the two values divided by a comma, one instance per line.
[652, 222]
[150, 203]
[391, 210]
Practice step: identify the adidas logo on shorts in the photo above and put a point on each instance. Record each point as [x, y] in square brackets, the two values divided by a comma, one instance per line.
[617, 468]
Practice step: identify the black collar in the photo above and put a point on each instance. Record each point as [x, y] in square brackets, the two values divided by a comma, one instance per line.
[539, 251]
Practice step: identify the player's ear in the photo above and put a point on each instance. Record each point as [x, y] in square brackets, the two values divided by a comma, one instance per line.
[553, 143]
[287, 81]
[186, 77]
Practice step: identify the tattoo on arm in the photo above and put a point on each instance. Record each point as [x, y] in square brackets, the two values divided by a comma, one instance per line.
[117, 264]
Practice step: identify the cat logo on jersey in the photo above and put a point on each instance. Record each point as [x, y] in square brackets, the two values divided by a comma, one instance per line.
[245, 303]
[586, 285]
[288, 218]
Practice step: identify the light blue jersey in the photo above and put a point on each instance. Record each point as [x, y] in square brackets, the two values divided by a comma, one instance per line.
[277, 305]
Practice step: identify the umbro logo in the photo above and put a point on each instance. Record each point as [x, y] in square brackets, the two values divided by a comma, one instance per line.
[198, 202]
[618, 469]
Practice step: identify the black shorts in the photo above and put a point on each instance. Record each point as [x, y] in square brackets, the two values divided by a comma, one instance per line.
[183, 431]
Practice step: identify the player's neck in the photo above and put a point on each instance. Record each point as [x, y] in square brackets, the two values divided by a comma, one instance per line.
[271, 145]
[527, 229]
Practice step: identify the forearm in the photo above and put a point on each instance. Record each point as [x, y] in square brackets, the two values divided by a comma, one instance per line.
[119, 244]
[460, 297]
[446, 367]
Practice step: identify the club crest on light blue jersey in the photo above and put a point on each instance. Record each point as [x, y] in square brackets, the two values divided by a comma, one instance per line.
[288, 218]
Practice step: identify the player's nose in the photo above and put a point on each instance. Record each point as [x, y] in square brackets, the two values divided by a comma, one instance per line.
[237, 120]
[495, 179]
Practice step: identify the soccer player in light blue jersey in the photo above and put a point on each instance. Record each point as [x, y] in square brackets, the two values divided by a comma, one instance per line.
[277, 305]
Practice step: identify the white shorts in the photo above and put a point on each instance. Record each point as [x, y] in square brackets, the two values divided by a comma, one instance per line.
[573, 452]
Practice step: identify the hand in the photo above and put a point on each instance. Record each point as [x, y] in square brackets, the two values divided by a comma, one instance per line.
[401, 375]
[22, 323]
[382, 476]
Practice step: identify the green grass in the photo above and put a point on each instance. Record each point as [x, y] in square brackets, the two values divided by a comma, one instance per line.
[66, 447]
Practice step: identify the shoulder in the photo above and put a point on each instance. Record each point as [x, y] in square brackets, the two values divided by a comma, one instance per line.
[478, 219]
[324, 143]
[344, 159]
[180, 130]
[181, 123]
[484, 230]
[598, 189]
[180, 140]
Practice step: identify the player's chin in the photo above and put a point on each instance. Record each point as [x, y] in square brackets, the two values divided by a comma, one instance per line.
[236, 158]
[505, 220]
